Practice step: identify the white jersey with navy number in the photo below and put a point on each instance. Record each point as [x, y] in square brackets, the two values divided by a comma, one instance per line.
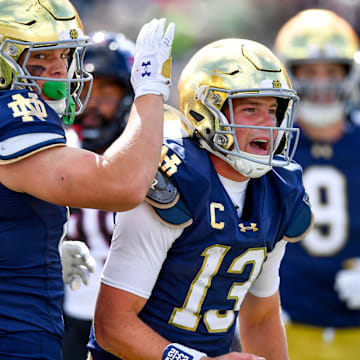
[332, 180]
[31, 286]
[211, 264]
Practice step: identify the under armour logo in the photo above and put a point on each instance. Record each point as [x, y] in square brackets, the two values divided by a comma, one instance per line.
[244, 228]
[145, 68]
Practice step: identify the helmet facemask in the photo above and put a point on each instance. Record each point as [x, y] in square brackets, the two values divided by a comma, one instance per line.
[224, 144]
[64, 92]
[28, 26]
[324, 101]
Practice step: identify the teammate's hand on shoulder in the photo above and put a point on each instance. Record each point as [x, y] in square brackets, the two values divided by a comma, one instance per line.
[347, 284]
[151, 71]
[77, 263]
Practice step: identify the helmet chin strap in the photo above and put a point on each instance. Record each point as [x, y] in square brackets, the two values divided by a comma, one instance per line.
[245, 167]
[249, 168]
[58, 105]
[318, 115]
[58, 91]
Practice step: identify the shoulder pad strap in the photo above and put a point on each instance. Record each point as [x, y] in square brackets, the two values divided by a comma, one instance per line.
[165, 200]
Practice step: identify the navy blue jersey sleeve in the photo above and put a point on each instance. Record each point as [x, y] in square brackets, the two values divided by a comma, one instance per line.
[301, 223]
[27, 125]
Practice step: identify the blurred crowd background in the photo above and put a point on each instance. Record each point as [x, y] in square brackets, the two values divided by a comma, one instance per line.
[199, 22]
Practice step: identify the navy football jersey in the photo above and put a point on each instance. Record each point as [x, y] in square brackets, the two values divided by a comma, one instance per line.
[31, 286]
[331, 178]
[212, 265]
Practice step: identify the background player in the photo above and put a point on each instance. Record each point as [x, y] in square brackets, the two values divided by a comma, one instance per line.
[320, 296]
[109, 59]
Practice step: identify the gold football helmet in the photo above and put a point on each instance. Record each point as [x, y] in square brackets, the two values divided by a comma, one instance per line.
[36, 25]
[320, 36]
[229, 69]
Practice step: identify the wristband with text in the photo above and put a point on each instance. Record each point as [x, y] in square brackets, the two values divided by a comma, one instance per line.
[180, 352]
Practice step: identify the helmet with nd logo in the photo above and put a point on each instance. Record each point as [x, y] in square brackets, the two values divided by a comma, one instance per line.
[221, 72]
[29, 26]
[321, 37]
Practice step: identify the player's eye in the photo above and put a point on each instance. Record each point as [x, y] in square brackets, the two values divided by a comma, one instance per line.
[65, 54]
[39, 56]
[272, 111]
[248, 108]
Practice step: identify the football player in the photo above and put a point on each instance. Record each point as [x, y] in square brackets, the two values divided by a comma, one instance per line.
[207, 244]
[320, 287]
[109, 59]
[42, 46]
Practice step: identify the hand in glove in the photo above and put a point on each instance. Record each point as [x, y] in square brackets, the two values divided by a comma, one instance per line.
[347, 283]
[151, 71]
[77, 263]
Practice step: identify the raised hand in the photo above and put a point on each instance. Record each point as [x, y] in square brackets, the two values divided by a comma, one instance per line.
[151, 72]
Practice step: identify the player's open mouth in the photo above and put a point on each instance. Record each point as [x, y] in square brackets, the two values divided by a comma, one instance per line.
[259, 146]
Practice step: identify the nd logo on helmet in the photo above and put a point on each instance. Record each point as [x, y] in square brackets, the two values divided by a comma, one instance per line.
[276, 84]
[74, 34]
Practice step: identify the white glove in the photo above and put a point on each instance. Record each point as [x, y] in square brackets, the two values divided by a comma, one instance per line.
[151, 71]
[77, 263]
[347, 284]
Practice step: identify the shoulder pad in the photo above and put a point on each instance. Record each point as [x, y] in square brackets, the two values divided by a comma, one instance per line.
[165, 200]
[162, 193]
[28, 125]
[302, 224]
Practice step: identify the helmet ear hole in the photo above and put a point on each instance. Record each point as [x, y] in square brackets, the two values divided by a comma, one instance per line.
[198, 117]
[6, 74]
